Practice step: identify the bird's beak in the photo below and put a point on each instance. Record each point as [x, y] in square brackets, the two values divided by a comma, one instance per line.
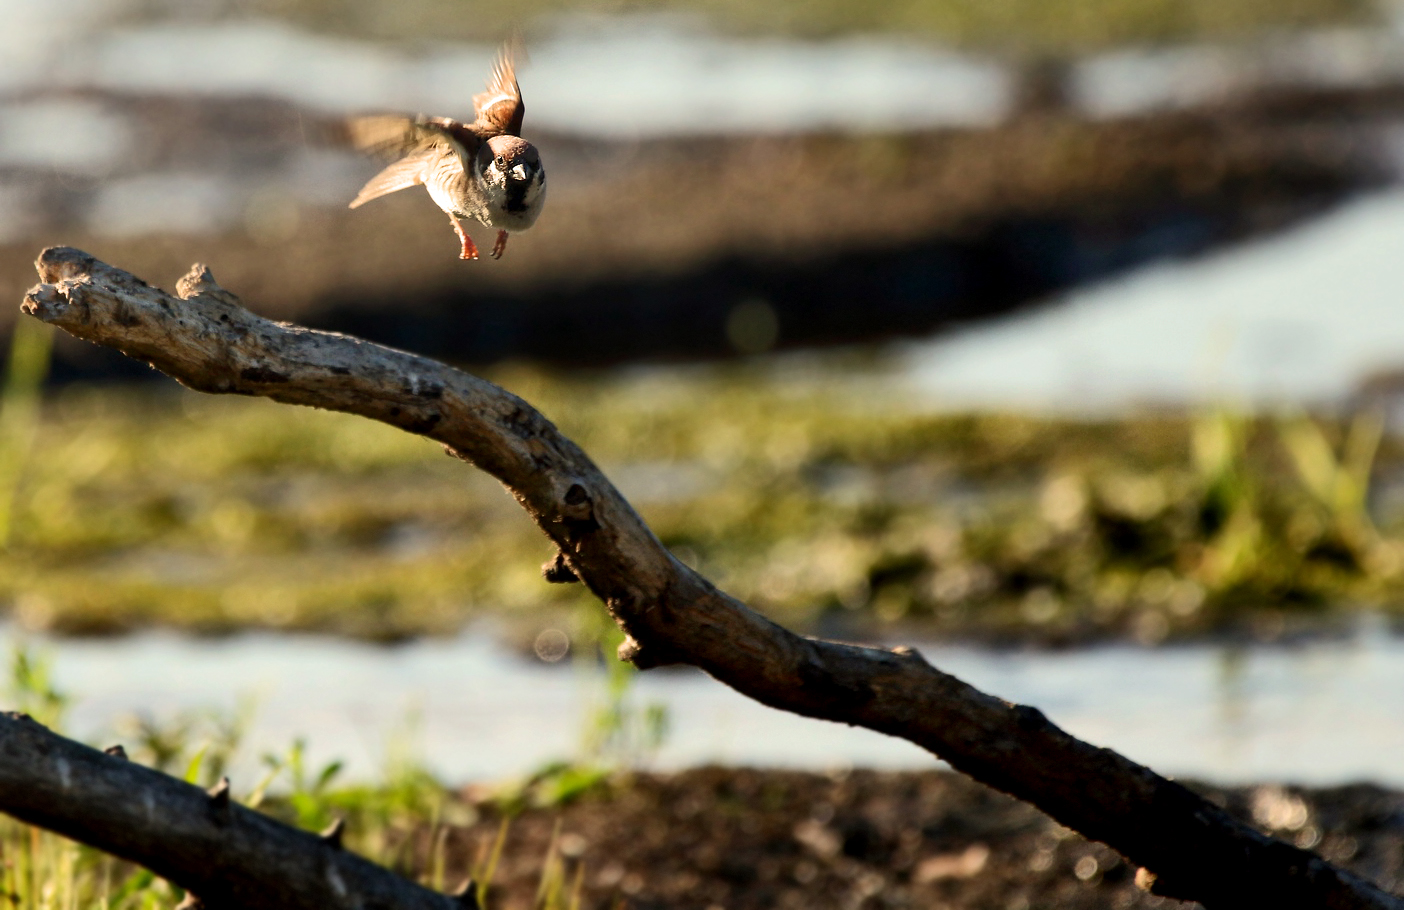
[518, 173]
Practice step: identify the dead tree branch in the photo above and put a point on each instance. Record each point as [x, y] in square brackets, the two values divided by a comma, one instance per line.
[228, 855]
[204, 339]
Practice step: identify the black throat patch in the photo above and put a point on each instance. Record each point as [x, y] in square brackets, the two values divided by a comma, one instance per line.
[516, 195]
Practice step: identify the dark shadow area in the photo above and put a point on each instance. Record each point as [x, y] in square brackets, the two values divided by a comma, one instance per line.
[864, 296]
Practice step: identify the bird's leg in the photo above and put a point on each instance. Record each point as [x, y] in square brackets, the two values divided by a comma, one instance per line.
[469, 250]
[500, 246]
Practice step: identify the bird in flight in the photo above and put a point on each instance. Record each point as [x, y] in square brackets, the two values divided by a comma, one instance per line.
[483, 170]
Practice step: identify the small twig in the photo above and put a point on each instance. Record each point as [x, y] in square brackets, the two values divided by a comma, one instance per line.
[669, 613]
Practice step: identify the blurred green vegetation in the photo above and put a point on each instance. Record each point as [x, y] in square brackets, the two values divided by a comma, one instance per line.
[819, 499]
[26, 369]
[1025, 26]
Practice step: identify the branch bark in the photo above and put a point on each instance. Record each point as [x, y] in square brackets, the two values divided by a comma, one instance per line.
[228, 855]
[203, 338]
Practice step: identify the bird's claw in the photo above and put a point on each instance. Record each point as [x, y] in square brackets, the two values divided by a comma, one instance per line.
[500, 246]
[470, 251]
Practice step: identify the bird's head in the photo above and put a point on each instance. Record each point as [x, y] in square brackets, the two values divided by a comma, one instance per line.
[515, 182]
[512, 160]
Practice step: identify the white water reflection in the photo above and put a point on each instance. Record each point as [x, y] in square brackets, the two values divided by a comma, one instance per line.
[621, 77]
[1300, 317]
[653, 74]
[152, 203]
[40, 135]
[1140, 79]
[1323, 713]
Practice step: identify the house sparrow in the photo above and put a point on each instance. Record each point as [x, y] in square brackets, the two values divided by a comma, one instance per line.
[481, 170]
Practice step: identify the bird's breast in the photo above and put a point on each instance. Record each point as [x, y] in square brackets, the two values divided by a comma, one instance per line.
[513, 206]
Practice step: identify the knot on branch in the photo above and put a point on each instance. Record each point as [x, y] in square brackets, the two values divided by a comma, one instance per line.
[116, 751]
[647, 656]
[1151, 883]
[911, 654]
[577, 508]
[1030, 718]
[219, 802]
[467, 896]
[61, 263]
[558, 571]
[199, 285]
[333, 834]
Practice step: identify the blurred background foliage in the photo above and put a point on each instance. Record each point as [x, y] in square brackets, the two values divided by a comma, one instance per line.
[821, 502]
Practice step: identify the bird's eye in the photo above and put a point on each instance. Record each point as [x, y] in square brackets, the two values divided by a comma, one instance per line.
[500, 161]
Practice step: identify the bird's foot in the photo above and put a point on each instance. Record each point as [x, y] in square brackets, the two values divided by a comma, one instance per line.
[469, 250]
[500, 246]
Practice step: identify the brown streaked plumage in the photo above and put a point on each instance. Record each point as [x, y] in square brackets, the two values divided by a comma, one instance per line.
[481, 170]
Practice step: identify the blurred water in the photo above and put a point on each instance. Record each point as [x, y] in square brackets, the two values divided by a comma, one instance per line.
[1140, 79]
[1321, 713]
[624, 77]
[1301, 317]
[648, 75]
[160, 154]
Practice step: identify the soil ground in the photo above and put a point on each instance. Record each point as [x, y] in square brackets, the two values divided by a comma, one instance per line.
[743, 838]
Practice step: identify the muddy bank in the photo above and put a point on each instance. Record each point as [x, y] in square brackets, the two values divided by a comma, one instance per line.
[651, 249]
[741, 838]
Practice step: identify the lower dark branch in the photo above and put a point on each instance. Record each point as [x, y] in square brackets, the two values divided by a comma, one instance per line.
[670, 614]
[228, 856]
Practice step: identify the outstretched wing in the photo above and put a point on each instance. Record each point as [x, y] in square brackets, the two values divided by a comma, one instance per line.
[412, 144]
[395, 136]
[500, 109]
